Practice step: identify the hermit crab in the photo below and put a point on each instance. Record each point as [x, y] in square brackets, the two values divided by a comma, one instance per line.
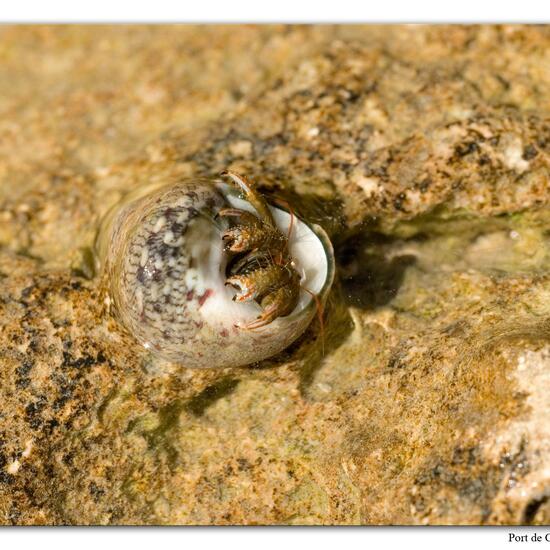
[206, 273]
[266, 272]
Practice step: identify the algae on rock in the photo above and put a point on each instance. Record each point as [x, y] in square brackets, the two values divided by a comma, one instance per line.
[423, 150]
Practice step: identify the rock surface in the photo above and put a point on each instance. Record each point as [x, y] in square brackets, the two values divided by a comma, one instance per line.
[424, 150]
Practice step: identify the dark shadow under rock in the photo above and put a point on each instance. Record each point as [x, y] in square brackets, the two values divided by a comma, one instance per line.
[370, 279]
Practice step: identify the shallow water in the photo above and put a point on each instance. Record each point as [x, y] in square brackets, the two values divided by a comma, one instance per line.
[423, 395]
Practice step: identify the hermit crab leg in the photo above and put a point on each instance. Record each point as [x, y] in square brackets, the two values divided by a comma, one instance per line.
[249, 220]
[246, 216]
[279, 303]
[268, 315]
[253, 197]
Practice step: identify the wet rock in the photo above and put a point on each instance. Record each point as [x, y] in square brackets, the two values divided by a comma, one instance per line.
[423, 150]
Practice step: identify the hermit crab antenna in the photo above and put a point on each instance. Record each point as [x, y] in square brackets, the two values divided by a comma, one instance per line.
[320, 311]
[284, 203]
[253, 197]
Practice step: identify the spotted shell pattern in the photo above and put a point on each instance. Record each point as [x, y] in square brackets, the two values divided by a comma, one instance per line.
[158, 281]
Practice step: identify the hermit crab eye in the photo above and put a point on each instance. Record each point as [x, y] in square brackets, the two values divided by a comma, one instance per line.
[164, 263]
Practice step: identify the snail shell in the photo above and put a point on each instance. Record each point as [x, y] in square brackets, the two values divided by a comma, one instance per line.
[163, 255]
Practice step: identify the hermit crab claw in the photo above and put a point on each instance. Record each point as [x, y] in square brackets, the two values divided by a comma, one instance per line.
[245, 291]
[245, 236]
